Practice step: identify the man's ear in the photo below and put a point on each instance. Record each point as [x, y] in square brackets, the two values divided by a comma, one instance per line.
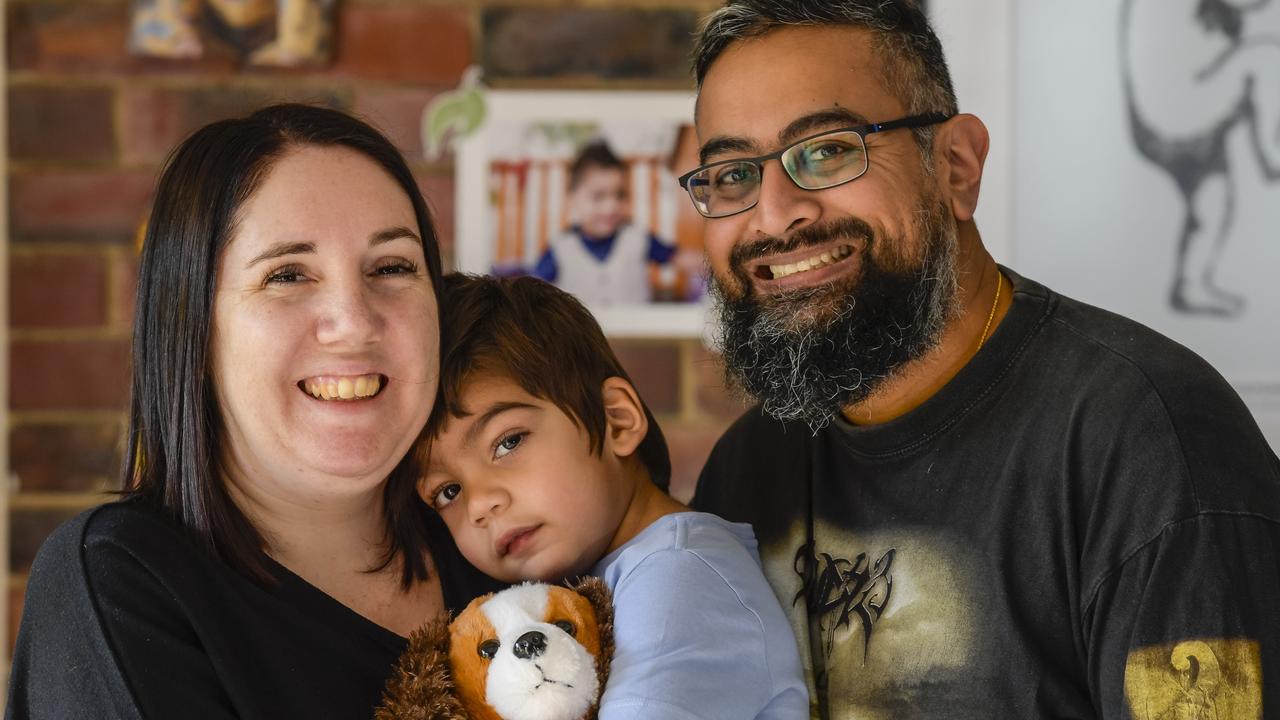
[960, 149]
[624, 417]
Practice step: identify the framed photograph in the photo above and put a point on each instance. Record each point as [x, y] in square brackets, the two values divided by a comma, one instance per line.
[1137, 141]
[579, 189]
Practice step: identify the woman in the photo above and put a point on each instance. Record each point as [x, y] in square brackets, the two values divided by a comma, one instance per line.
[268, 559]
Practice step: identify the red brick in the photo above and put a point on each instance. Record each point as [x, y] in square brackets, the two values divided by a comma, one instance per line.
[713, 396]
[655, 369]
[690, 446]
[68, 36]
[439, 192]
[93, 205]
[61, 123]
[28, 530]
[155, 120]
[56, 457]
[68, 375]
[411, 43]
[17, 593]
[397, 112]
[92, 38]
[57, 290]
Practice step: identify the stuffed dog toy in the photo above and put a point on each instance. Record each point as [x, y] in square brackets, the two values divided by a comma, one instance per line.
[531, 652]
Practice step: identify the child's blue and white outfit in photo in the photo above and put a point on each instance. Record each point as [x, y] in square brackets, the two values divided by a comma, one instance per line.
[604, 271]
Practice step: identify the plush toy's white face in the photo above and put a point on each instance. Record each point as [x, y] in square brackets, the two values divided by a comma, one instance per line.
[537, 669]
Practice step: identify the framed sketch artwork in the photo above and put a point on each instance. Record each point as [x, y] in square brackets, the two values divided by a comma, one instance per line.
[579, 188]
[1143, 139]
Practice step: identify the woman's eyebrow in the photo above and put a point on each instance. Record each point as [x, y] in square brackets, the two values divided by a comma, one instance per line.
[281, 249]
[395, 233]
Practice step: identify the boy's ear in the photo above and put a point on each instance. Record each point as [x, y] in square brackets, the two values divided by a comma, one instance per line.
[624, 418]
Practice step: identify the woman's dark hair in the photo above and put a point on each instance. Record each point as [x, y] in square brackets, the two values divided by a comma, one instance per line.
[545, 341]
[173, 452]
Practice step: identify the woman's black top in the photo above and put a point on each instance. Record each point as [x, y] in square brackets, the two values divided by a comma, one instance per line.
[126, 617]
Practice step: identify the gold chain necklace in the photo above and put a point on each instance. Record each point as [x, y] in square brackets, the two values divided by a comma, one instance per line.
[994, 304]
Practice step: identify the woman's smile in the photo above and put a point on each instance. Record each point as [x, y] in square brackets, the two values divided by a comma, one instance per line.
[343, 387]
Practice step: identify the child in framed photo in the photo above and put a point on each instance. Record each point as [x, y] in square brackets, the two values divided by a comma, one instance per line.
[602, 258]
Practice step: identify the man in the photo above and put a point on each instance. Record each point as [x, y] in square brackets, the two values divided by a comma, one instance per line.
[974, 496]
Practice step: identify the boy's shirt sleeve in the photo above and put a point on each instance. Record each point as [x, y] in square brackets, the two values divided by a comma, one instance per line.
[546, 269]
[690, 647]
[660, 252]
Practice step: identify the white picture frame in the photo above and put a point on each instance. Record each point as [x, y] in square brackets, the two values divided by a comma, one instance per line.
[523, 149]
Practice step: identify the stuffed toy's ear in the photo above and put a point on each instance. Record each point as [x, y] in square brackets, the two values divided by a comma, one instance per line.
[601, 599]
[422, 687]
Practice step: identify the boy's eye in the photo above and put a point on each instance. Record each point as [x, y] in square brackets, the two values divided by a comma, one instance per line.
[507, 444]
[446, 494]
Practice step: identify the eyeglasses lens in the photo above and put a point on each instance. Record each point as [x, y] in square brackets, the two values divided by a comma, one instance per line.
[826, 161]
[726, 188]
[822, 162]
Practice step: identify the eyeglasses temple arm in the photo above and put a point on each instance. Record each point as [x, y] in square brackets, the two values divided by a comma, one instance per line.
[914, 121]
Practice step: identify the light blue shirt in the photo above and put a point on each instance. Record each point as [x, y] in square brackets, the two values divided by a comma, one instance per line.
[699, 634]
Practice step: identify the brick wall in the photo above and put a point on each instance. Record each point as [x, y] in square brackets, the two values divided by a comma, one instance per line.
[89, 125]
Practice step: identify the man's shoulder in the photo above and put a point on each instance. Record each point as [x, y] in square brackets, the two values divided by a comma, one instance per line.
[754, 469]
[754, 434]
[1130, 384]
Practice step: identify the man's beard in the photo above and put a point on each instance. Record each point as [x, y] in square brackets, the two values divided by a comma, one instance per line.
[807, 354]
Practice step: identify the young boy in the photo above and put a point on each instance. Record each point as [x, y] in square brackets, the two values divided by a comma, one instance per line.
[602, 260]
[545, 464]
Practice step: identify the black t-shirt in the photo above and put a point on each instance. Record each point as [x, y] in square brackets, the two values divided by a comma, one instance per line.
[125, 617]
[1083, 523]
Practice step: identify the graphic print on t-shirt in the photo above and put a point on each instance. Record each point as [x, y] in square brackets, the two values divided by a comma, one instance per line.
[837, 591]
[888, 623]
[1193, 679]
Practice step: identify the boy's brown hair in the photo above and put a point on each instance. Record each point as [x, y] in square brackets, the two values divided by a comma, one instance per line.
[542, 338]
[594, 156]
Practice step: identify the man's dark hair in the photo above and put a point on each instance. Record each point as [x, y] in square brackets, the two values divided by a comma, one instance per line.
[544, 340]
[173, 447]
[593, 156]
[913, 69]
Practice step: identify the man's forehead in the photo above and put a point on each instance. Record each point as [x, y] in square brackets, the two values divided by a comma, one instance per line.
[760, 85]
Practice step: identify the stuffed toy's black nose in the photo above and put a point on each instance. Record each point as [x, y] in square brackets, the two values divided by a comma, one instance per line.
[530, 645]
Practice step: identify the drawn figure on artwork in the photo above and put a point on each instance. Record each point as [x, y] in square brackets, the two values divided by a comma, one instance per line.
[1194, 70]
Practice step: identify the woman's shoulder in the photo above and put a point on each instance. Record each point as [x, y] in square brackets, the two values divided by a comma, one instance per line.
[99, 538]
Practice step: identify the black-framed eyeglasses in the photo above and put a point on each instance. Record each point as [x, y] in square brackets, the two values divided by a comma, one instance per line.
[817, 162]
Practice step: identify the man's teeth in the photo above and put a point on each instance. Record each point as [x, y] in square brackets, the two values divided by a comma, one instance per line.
[813, 263]
[343, 388]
